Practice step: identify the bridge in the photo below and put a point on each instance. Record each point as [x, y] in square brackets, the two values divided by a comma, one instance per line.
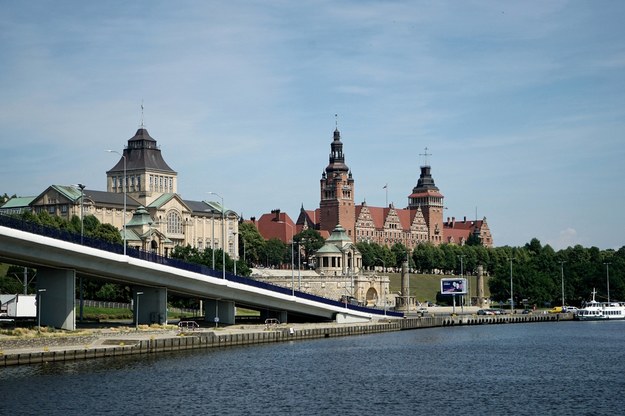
[61, 258]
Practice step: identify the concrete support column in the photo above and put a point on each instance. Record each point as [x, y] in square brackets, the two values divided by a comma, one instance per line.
[282, 316]
[150, 305]
[224, 310]
[56, 290]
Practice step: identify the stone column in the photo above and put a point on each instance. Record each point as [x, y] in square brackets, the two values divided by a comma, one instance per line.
[480, 286]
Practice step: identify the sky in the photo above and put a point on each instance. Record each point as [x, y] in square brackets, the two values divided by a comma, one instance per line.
[521, 105]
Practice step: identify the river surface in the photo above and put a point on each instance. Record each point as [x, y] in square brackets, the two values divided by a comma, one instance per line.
[565, 368]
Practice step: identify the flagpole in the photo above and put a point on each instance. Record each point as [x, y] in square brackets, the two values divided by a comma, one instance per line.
[386, 189]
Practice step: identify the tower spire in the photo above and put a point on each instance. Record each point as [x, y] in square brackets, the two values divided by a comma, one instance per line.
[425, 156]
[142, 120]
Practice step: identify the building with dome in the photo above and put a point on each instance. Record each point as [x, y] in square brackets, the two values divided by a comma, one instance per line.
[141, 200]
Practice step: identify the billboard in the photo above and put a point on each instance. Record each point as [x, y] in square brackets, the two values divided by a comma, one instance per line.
[453, 286]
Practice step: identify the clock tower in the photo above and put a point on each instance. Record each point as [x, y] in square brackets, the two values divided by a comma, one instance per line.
[337, 192]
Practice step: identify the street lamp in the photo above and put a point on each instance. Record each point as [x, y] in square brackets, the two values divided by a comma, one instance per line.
[82, 232]
[124, 186]
[383, 263]
[292, 266]
[461, 257]
[39, 292]
[137, 311]
[234, 251]
[562, 274]
[511, 287]
[223, 236]
[607, 276]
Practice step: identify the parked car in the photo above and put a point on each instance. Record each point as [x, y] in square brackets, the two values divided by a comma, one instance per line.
[571, 309]
[485, 312]
[557, 309]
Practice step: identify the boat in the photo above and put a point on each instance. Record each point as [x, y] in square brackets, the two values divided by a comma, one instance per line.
[599, 311]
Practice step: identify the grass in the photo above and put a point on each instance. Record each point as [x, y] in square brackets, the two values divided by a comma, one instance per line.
[426, 286]
[92, 313]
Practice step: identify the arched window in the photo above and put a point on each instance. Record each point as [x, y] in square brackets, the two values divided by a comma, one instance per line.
[174, 223]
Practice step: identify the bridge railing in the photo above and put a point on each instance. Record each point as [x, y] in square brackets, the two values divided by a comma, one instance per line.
[65, 235]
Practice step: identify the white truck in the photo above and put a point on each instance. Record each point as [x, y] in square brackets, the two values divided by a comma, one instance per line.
[21, 307]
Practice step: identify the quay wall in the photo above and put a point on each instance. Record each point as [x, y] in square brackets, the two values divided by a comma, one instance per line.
[260, 335]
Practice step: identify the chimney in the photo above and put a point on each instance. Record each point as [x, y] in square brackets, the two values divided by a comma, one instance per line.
[276, 212]
[453, 222]
[465, 219]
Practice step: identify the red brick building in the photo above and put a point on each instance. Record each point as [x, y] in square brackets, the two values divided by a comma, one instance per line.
[420, 222]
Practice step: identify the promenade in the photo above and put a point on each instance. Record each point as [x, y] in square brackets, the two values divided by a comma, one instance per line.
[121, 341]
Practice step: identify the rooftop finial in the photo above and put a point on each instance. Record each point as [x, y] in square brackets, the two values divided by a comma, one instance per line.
[142, 123]
[425, 156]
[336, 121]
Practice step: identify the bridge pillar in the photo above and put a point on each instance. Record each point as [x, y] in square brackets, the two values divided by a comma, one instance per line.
[150, 305]
[56, 289]
[282, 316]
[219, 308]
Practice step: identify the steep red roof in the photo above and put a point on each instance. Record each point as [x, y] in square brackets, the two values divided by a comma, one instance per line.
[277, 225]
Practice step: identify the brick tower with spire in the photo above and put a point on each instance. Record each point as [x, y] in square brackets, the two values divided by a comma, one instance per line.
[337, 192]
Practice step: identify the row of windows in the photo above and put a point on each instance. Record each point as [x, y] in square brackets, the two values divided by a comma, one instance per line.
[134, 183]
[158, 183]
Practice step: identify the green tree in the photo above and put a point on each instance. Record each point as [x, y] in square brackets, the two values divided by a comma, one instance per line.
[311, 241]
[251, 243]
[275, 252]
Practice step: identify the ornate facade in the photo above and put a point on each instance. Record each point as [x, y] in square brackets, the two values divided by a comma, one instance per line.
[150, 212]
[420, 222]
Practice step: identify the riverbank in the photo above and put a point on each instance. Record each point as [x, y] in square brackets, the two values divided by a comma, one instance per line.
[113, 342]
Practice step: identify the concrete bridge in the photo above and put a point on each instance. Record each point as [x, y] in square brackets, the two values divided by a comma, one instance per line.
[59, 263]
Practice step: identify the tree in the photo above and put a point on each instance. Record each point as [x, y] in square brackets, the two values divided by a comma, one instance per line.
[311, 241]
[251, 242]
[275, 251]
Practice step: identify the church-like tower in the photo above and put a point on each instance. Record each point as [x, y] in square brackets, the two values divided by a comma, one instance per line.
[337, 192]
[147, 174]
[427, 197]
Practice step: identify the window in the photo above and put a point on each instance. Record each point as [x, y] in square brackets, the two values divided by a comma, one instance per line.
[174, 223]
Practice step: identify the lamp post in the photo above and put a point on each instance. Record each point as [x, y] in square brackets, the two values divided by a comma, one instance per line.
[383, 263]
[299, 266]
[124, 187]
[292, 266]
[137, 311]
[82, 232]
[39, 292]
[607, 277]
[461, 257]
[562, 275]
[234, 250]
[223, 236]
[511, 287]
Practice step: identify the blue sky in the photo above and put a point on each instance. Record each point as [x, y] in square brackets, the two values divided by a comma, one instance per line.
[521, 104]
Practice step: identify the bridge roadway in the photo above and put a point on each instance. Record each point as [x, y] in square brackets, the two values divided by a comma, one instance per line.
[59, 263]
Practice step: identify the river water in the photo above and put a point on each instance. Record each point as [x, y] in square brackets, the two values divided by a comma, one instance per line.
[569, 368]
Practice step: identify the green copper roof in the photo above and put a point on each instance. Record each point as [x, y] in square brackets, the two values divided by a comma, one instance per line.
[338, 236]
[140, 217]
[19, 202]
[161, 200]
